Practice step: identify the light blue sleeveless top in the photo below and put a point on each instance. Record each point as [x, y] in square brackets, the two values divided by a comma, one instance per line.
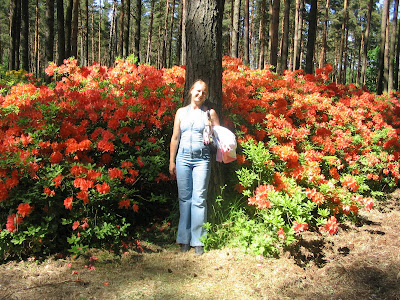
[192, 126]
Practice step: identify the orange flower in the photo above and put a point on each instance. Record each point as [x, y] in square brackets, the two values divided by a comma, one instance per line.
[24, 209]
[68, 202]
[135, 207]
[124, 203]
[299, 227]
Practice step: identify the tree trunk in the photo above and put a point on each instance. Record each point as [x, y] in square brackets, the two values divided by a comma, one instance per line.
[68, 28]
[261, 59]
[298, 29]
[246, 59]
[393, 46]
[25, 35]
[120, 50]
[136, 24]
[235, 29]
[36, 41]
[322, 60]
[342, 41]
[150, 33]
[386, 57]
[274, 28]
[60, 32]
[112, 39]
[365, 45]
[285, 38]
[312, 22]
[49, 32]
[15, 31]
[184, 15]
[204, 61]
[179, 38]
[127, 28]
[99, 34]
[171, 29]
[74, 29]
[380, 80]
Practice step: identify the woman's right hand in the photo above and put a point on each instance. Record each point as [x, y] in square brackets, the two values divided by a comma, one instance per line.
[172, 169]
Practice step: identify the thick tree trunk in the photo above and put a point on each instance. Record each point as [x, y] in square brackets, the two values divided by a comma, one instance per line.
[285, 38]
[25, 35]
[15, 31]
[392, 46]
[246, 59]
[60, 32]
[204, 61]
[312, 22]
[386, 58]
[380, 80]
[49, 30]
[235, 29]
[365, 45]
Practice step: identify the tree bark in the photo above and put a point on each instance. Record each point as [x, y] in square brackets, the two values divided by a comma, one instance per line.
[184, 14]
[136, 23]
[393, 46]
[274, 28]
[380, 80]
[60, 32]
[68, 28]
[342, 42]
[261, 59]
[366, 44]
[74, 29]
[322, 60]
[150, 33]
[298, 35]
[312, 21]
[87, 33]
[25, 35]
[285, 38]
[49, 31]
[112, 39]
[235, 29]
[36, 40]
[127, 28]
[171, 29]
[246, 59]
[121, 29]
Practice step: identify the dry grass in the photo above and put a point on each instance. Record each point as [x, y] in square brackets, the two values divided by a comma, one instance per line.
[361, 262]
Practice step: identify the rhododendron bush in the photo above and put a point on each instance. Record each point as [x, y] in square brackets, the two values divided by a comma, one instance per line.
[83, 158]
[313, 152]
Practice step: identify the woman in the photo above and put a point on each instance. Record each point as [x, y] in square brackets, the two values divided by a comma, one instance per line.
[192, 167]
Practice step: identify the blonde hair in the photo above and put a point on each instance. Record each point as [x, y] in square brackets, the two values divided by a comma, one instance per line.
[199, 81]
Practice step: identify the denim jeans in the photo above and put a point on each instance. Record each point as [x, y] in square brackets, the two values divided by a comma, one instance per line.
[193, 175]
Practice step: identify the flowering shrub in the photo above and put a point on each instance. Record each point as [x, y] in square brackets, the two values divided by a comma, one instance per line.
[314, 152]
[82, 161]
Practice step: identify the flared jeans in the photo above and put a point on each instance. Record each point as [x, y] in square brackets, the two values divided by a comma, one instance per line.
[193, 175]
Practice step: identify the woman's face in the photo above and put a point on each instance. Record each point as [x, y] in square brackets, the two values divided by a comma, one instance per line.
[198, 93]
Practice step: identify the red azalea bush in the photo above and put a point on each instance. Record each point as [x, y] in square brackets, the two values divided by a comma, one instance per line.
[313, 152]
[82, 160]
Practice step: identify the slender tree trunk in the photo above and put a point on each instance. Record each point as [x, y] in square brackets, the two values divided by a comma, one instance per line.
[380, 80]
[112, 39]
[184, 16]
[36, 42]
[312, 21]
[121, 29]
[246, 59]
[60, 32]
[136, 24]
[274, 28]
[92, 35]
[298, 35]
[235, 31]
[342, 41]
[253, 38]
[392, 47]
[345, 60]
[87, 33]
[99, 33]
[386, 57]
[285, 38]
[49, 33]
[171, 29]
[322, 60]
[127, 28]
[150, 33]
[261, 60]
[74, 29]
[179, 37]
[15, 30]
[68, 28]
[25, 35]
[366, 45]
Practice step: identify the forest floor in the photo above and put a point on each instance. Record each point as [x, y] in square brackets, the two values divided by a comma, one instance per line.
[362, 261]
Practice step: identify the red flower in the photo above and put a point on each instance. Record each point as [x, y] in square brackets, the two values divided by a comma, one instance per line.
[140, 162]
[83, 184]
[56, 157]
[49, 192]
[68, 202]
[75, 225]
[115, 173]
[135, 207]
[281, 233]
[12, 221]
[299, 227]
[331, 226]
[57, 180]
[103, 188]
[124, 203]
[24, 209]
[83, 195]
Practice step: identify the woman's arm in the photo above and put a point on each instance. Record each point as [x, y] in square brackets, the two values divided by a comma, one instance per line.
[214, 118]
[176, 135]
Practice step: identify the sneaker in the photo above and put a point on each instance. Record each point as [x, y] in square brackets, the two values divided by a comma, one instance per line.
[199, 250]
[185, 247]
